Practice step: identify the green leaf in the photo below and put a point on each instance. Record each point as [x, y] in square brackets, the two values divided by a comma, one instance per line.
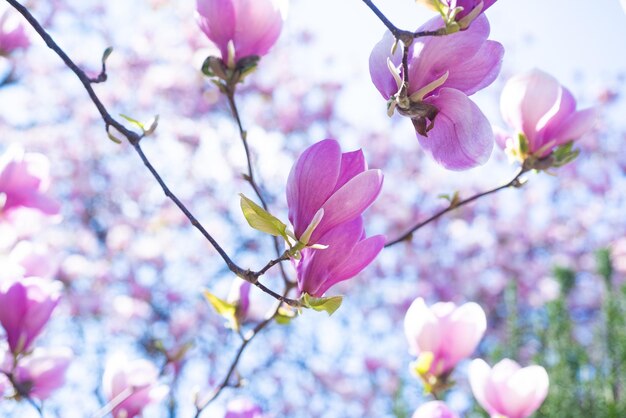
[328, 304]
[261, 220]
[284, 316]
[114, 138]
[223, 308]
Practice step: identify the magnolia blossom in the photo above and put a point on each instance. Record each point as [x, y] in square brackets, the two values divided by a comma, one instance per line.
[327, 191]
[536, 106]
[133, 384]
[240, 297]
[444, 331]
[43, 372]
[434, 409]
[243, 408]
[26, 308]
[443, 71]
[24, 181]
[508, 390]
[241, 28]
[12, 34]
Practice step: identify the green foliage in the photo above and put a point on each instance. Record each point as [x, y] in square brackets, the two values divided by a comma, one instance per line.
[261, 220]
[327, 304]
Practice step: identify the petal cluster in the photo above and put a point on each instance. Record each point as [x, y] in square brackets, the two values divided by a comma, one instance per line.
[12, 34]
[250, 26]
[133, 381]
[43, 372]
[327, 191]
[508, 390]
[535, 105]
[27, 305]
[24, 181]
[445, 331]
[443, 71]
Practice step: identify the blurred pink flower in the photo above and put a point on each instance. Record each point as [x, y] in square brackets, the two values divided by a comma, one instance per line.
[508, 390]
[132, 385]
[434, 409]
[43, 372]
[443, 71]
[251, 27]
[445, 331]
[12, 34]
[242, 408]
[240, 296]
[327, 191]
[24, 180]
[536, 105]
[25, 308]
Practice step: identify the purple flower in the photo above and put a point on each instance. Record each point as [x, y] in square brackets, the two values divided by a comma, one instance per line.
[243, 408]
[26, 306]
[442, 72]
[134, 384]
[508, 390]
[251, 27]
[434, 409]
[536, 106]
[24, 180]
[43, 372]
[327, 191]
[444, 332]
[12, 34]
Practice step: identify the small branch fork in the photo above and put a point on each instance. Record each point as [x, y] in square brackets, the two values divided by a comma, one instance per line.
[134, 139]
[515, 182]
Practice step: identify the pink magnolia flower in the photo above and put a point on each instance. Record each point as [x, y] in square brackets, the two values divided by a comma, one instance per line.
[43, 372]
[434, 409]
[443, 71]
[240, 296]
[444, 331]
[330, 187]
[246, 27]
[12, 34]
[24, 180]
[243, 408]
[133, 385]
[25, 308]
[327, 191]
[536, 106]
[508, 390]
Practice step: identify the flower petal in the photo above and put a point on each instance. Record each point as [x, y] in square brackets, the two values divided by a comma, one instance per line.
[379, 71]
[259, 23]
[461, 137]
[479, 71]
[217, 20]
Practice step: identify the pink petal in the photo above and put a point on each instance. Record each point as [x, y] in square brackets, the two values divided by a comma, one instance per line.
[461, 137]
[352, 163]
[217, 20]
[421, 328]
[379, 71]
[465, 328]
[479, 71]
[575, 126]
[311, 181]
[479, 375]
[349, 201]
[259, 23]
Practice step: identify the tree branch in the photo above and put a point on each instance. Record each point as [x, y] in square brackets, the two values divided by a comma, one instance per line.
[515, 182]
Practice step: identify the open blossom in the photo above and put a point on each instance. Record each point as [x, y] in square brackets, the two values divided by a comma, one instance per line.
[434, 409]
[43, 372]
[26, 306]
[24, 181]
[242, 408]
[536, 106]
[508, 390]
[251, 27]
[443, 72]
[12, 34]
[327, 191]
[136, 382]
[444, 331]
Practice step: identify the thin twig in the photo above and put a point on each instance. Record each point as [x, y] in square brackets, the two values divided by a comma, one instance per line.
[134, 139]
[515, 182]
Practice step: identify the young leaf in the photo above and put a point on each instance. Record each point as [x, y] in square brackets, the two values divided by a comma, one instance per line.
[261, 220]
[329, 304]
[223, 308]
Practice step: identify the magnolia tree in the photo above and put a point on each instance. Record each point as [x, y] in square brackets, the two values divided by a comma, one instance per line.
[280, 211]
